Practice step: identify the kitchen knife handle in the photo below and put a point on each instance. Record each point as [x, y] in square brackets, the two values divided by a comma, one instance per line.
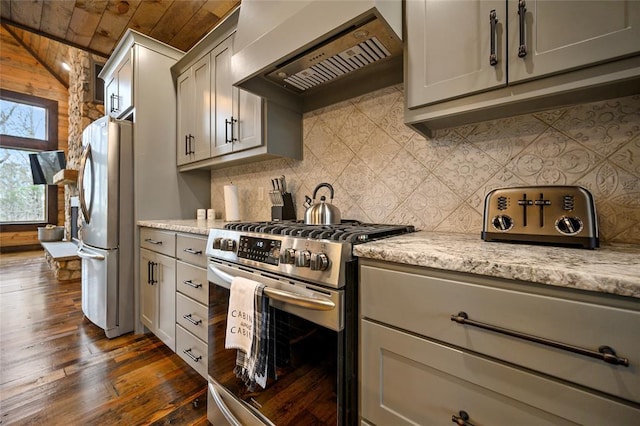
[493, 21]
[522, 10]
[605, 353]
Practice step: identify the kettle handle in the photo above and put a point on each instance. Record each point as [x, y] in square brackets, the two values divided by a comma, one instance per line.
[315, 191]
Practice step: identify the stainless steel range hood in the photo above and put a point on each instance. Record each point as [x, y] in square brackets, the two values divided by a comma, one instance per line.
[306, 54]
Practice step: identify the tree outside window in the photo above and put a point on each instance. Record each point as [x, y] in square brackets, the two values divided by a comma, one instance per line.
[28, 124]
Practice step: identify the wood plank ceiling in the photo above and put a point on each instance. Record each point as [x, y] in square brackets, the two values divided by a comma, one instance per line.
[48, 28]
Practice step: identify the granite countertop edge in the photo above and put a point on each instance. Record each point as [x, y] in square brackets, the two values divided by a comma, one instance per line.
[612, 268]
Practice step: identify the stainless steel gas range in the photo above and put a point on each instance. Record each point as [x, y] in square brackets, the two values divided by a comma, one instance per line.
[310, 278]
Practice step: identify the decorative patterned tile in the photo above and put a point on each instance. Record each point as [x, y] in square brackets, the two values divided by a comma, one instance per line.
[379, 150]
[628, 157]
[466, 169]
[439, 183]
[432, 151]
[356, 130]
[603, 126]
[553, 159]
[503, 139]
[464, 219]
[403, 174]
[432, 200]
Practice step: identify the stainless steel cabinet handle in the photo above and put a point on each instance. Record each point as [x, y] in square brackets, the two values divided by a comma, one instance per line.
[522, 10]
[493, 21]
[192, 251]
[150, 241]
[461, 419]
[188, 353]
[189, 318]
[605, 353]
[190, 283]
[223, 407]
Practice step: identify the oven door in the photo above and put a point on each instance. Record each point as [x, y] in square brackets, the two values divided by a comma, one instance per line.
[306, 357]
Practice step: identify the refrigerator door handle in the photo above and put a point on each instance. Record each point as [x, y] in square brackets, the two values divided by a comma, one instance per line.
[86, 156]
[86, 255]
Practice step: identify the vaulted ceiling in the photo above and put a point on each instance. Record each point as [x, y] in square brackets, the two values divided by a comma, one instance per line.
[48, 28]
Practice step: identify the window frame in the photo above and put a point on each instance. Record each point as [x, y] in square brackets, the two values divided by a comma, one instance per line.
[36, 145]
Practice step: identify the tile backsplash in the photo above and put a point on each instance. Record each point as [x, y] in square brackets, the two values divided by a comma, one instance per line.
[384, 172]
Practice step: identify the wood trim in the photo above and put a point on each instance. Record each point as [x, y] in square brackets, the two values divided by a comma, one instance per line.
[52, 123]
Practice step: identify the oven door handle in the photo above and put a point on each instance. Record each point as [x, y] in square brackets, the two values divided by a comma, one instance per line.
[315, 303]
[223, 407]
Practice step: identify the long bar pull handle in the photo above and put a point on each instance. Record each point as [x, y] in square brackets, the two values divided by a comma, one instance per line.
[461, 419]
[522, 10]
[153, 277]
[189, 318]
[191, 139]
[186, 144]
[493, 21]
[115, 98]
[149, 272]
[604, 353]
[188, 353]
[190, 283]
[152, 241]
[192, 251]
[233, 120]
[226, 131]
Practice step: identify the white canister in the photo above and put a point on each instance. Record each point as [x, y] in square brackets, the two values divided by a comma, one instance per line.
[211, 214]
[231, 203]
[201, 214]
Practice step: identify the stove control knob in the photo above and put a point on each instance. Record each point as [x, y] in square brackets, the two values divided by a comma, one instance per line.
[319, 262]
[502, 222]
[217, 243]
[302, 258]
[288, 256]
[569, 225]
[228, 244]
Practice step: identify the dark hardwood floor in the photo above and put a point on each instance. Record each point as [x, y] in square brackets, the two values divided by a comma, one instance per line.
[56, 368]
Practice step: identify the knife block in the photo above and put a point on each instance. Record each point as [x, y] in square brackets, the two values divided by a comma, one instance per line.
[287, 211]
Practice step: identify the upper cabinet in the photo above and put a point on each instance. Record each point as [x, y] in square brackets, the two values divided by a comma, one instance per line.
[506, 57]
[219, 124]
[119, 90]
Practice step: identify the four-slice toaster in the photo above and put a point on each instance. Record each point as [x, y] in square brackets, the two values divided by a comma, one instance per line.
[554, 215]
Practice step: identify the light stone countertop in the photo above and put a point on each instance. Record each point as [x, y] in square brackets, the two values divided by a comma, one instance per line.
[191, 226]
[612, 268]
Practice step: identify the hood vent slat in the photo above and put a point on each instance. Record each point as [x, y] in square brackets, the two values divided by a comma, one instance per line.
[349, 60]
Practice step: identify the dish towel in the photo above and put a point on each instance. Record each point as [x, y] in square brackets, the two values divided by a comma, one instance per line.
[247, 330]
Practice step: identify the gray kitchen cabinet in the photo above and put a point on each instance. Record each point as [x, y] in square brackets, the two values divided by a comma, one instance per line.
[194, 107]
[118, 89]
[158, 284]
[243, 127]
[192, 301]
[160, 190]
[571, 51]
[236, 114]
[421, 365]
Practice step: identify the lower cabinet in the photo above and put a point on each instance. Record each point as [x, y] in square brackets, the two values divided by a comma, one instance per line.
[158, 295]
[419, 366]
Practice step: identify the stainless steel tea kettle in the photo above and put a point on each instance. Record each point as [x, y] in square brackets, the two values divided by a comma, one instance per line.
[321, 213]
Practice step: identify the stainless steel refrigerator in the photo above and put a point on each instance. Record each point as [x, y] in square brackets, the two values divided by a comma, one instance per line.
[107, 236]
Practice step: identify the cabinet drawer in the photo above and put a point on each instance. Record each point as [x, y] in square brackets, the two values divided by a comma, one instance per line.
[159, 241]
[409, 380]
[192, 350]
[192, 250]
[192, 316]
[408, 299]
[192, 281]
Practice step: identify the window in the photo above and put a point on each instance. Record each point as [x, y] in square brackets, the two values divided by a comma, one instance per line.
[28, 124]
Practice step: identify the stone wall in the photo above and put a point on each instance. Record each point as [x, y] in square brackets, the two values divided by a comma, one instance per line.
[82, 111]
